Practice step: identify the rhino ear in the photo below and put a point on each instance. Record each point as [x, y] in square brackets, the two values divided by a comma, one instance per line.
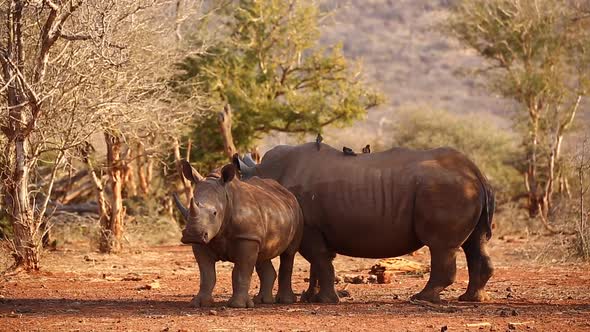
[235, 160]
[228, 172]
[189, 172]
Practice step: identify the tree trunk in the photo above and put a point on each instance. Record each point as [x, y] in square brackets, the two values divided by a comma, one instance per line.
[112, 226]
[144, 169]
[256, 155]
[103, 207]
[149, 174]
[27, 233]
[531, 176]
[27, 236]
[129, 172]
[225, 122]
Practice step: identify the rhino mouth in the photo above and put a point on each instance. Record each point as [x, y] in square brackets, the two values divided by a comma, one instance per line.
[192, 239]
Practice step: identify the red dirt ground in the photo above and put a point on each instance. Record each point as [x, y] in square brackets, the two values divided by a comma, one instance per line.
[79, 291]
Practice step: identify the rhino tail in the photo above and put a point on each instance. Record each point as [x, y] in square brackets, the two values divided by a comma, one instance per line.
[489, 206]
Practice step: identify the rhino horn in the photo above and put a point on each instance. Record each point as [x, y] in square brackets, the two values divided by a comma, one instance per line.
[193, 208]
[181, 208]
[244, 169]
[249, 161]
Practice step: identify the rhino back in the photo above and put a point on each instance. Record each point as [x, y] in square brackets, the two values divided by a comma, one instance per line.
[364, 204]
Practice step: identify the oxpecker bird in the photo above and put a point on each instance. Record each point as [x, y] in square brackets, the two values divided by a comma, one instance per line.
[367, 149]
[318, 140]
[348, 151]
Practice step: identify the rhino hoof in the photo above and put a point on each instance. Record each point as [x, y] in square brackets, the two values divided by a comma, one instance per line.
[200, 301]
[306, 297]
[426, 296]
[261, 299]
[286, 298]
[238, 302]
[325, 298]
[480, 296]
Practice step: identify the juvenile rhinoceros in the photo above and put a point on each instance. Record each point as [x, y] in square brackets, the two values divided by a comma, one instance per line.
[244, 222]
[386, 204]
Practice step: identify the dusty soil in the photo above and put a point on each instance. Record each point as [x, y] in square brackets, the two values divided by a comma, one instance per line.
[86, 291]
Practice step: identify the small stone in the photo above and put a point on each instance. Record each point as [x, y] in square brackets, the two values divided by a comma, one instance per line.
[372, 279]
[385, 277]
[354, 279]
[343, 293]
[153, 285]
[511, 326]
[131, 277]
[90, 259]
[213, 312]
[444, 328]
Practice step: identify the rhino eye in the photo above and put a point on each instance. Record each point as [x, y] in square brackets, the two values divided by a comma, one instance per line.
[214, 213]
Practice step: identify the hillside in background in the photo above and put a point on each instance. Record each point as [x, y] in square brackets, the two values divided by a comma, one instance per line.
[405, 55]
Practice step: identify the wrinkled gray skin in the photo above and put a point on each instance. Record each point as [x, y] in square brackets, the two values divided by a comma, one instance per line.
[386, 204]
[244, 222]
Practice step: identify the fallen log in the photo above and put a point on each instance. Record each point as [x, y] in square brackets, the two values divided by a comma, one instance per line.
[54, 208]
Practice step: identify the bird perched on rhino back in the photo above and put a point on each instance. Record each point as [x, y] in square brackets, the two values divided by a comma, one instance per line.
[348, 151]
[318, 141]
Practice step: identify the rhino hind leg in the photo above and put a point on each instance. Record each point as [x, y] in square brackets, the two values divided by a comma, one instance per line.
[286, 294]
[267, 275]
[442, 274]
[479, 265]
[315, 250]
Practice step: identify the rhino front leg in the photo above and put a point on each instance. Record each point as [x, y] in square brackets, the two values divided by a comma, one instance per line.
[313, 288]
[206, 261]
[268, 275]
[245, 253]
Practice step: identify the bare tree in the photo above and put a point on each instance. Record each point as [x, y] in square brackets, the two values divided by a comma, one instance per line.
[69, 69]
[537, 54]
[144, 115]
[582, 167]
[44, 88]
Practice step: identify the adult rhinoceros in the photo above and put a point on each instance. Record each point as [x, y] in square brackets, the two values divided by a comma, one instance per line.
[386, 204]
